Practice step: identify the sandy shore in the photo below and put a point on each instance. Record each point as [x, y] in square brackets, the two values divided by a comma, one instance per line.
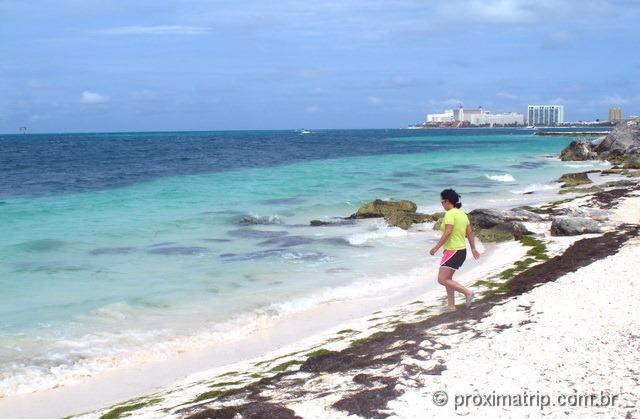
[561, 326]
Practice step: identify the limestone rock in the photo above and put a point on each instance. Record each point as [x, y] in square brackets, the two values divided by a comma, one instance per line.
[578, 150]
[574, 179]
[573, 226]
[380, 208]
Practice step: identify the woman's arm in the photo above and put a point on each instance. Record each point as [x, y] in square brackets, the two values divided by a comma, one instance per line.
[448, 229]
[472, 241]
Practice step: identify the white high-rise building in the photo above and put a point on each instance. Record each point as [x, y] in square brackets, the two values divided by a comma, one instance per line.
[545, 115]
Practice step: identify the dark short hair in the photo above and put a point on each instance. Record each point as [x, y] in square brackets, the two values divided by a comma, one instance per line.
[451, 196]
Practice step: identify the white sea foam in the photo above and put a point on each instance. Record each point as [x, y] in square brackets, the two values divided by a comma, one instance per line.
[381, 231]
[591, 163]
[501, 178]
[535, 187]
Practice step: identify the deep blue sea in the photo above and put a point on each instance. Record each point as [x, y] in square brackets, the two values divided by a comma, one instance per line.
[126, 246]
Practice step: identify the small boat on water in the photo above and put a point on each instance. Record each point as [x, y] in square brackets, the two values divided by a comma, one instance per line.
[305, 131]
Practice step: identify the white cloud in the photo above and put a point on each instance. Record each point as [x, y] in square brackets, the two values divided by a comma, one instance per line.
[491, 11]
[523, 11]
[92, 98]
[154, 30]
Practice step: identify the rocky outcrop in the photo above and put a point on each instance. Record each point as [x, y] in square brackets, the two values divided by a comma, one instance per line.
[574, 179]
[396, 213]
[380, 208]
[573, 226]
[621, 146]
[578, 150]
[494, 225]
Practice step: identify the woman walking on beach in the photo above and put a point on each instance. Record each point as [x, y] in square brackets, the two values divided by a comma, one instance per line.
[455, 228]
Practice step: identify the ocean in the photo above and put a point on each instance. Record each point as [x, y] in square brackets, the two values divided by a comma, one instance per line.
[123, 247]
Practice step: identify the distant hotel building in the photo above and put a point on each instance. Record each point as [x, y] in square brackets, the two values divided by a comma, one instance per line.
[545, 115]
[615, 114]
[478, 117]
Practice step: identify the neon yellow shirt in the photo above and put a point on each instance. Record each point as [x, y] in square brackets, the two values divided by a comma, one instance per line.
[460, 221]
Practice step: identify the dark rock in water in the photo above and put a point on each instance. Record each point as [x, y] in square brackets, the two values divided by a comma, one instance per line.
[574, 179]
[397, 213]
[380, 208]
[578, 150]
[338, 222]
[248, 233]
[573, 226]
[248, 219]
[178, 250]
[112, 251]
[43, 245]
[287, 241]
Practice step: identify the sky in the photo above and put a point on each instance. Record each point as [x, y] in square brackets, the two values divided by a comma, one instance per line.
[143, 65]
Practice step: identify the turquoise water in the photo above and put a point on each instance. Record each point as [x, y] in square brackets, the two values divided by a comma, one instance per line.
[92, 275]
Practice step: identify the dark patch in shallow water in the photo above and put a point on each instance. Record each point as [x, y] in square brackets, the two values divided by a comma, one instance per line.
[410, 185]
[216, 240]
[282, 201]
[112, 251]
[179, 250]
[282, 253]
[529, 165]
[162, 244]
[249, 233]
[286, 241]
[248, 219]
[48, 268]
[466, 166]
[42, 245]
[401, 174]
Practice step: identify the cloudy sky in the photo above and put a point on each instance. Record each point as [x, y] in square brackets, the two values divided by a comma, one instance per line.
[106, 65]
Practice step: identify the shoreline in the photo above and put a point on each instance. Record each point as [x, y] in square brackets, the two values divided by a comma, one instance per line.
[397, 309]
[212, 393]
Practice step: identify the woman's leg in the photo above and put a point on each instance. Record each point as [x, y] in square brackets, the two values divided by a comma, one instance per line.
[445, 276]
[451, 298]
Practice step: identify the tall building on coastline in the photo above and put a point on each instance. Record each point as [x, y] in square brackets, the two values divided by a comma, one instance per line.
[545, 115]
[615, 114]
[476, 117]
